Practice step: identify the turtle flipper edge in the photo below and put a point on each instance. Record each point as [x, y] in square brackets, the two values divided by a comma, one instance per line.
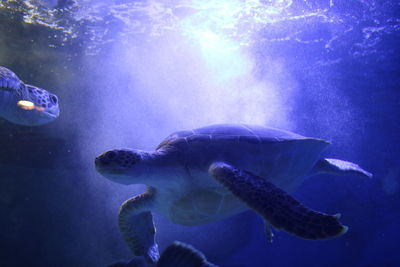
[276, 206]
[338, 167]
[137, 227]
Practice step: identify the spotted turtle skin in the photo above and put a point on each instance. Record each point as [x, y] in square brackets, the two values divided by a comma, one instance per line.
[12, 90]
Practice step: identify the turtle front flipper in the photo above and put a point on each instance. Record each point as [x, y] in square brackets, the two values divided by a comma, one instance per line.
[137, 227]
[275, 205]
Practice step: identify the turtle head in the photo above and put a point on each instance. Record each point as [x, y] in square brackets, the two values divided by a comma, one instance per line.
[125, 166]
[32, 106]
[23, 103]
[42, 106]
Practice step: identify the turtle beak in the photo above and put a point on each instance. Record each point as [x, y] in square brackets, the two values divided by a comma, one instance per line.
[97, 162]
[101, 162]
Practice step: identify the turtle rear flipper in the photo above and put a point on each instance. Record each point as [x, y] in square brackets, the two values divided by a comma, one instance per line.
[276, 206]
[137, 227]
[338, 167]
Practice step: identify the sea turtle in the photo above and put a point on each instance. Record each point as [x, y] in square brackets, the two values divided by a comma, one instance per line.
[209, 173]
[25, 104]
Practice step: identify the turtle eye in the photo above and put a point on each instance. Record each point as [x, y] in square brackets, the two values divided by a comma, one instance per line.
[53, 99]
[111, 155]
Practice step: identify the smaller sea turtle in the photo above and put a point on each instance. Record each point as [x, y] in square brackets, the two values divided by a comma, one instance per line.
[202, 175]
[23, 103]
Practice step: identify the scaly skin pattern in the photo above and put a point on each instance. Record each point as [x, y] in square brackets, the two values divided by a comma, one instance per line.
[276, 206]
[44, 108]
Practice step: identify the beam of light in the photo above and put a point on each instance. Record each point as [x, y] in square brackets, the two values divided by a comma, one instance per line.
[196, 74]
[221, 31]
[235, 19]
[200, 72]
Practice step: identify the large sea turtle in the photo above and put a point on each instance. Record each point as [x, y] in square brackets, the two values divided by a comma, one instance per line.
[25, 104]
[209, 173]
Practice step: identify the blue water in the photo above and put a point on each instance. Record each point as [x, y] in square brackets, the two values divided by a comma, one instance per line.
[128, 73]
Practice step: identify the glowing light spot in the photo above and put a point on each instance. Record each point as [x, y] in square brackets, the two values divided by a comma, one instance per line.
[209, 40]
[28, 105]
[25, 104]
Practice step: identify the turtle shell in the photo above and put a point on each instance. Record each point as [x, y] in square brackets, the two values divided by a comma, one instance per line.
[9, 80]
[230, 132]
[283, 156]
